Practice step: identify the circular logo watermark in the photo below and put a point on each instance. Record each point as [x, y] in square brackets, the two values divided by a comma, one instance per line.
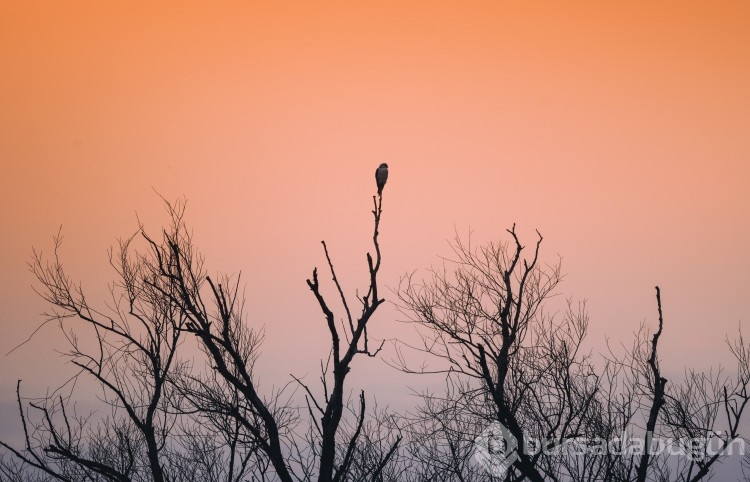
[495, 449]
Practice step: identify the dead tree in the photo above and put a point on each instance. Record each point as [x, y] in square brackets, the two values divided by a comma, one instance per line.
[699, 415]
[217, 323]
[131, 358]
[230, 348]
[705, 412]
[327, 410]
[482, 319]
[172, 421]
[130, 350]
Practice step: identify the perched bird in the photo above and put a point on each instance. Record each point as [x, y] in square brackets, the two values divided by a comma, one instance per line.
[381, 175]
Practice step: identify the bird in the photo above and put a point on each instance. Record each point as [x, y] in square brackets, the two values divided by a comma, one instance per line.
[381, 175]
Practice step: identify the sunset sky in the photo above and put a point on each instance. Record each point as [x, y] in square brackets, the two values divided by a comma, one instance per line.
[619, 130]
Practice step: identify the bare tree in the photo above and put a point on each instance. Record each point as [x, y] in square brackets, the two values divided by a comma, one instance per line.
[134, 347]
[330, 406]
[698, 415]
[171, 420]
[705, 413]
[231, 351]
[482, 318]
[478, 320]
[130, 350]
[506, 358]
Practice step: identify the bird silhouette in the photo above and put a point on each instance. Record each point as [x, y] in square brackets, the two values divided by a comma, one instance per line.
[381, 175]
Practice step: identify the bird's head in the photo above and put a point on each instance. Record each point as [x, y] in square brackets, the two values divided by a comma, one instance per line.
[384, 165]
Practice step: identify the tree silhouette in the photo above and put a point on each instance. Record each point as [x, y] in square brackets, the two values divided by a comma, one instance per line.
[169, 420]
[522, 399]
[506, 360]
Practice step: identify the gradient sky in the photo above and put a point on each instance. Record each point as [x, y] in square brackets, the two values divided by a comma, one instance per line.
[620, 130]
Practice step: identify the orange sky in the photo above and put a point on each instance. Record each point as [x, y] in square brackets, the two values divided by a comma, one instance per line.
[620, 130]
